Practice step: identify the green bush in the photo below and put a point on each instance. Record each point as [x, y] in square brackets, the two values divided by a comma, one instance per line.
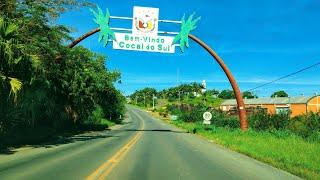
[188, 113]
[221, 119]
[46, 85]
[174, 109]
[314, 137]
[307, 126]
[192, 113]
[281, 125]
[163, 112]
[97, 116]
[263, 121]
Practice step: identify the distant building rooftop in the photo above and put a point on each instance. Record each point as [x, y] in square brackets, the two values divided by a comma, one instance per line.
[276, 100]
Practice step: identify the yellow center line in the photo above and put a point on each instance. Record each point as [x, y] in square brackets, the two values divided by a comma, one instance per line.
[104, 170]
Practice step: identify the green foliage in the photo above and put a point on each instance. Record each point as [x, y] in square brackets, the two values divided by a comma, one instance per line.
[193, 114]
[278, 148]
[212, 92]
[220, 119]
[184, 91]
[248, 95]
[54, 88]
[97, 115]
[280, 94]
[269, 122]
[174, 109]
[82, 77]
[226, 94]
[113, 104]
[229, 94]
[205, 99]
[7, 8]
[144, 97]
[307, 126]
[12, 57]
[53, 8]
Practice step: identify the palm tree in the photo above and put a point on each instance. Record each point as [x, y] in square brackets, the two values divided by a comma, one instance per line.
[11, 53]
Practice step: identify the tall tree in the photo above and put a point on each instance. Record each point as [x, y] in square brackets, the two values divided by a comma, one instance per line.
[249, 95]
[55, 95]
[13, 60]
[226, 94]
[212, 92]
[280, 94]
[144, 96]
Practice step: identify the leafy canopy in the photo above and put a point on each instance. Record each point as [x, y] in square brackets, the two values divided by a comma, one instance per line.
[249, 95]
[49, 92]
[280, 94]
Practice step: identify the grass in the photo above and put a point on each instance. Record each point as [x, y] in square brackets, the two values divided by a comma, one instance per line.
[106, 122]
[279, 149]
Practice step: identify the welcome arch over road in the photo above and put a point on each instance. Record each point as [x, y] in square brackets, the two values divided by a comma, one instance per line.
[183, 37]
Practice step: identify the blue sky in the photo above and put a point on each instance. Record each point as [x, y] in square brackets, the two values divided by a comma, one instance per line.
[258, 40]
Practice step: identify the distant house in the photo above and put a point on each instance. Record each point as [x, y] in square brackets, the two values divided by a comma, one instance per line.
[296, 105]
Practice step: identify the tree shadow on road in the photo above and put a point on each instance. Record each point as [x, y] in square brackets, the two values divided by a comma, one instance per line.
[57, 141]
[156, 130]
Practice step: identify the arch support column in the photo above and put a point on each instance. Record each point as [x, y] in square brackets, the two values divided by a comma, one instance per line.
[235, 87]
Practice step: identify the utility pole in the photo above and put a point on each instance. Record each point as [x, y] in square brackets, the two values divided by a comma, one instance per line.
[234, 84]
[144, 100]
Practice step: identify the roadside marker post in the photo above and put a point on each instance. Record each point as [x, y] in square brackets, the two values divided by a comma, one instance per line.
[207, 116]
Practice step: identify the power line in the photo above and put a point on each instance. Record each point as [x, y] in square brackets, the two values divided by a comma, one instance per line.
[286, 76]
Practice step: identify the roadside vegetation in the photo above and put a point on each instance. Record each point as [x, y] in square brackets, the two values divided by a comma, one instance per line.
[46, 88]
[292, 144]
[280, 149]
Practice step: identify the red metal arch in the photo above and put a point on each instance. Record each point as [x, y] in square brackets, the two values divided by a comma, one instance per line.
[235, 87]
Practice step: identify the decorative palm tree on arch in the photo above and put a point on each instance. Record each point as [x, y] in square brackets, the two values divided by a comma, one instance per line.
[187, 25]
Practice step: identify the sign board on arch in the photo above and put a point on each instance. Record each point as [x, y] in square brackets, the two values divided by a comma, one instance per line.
[144, 35]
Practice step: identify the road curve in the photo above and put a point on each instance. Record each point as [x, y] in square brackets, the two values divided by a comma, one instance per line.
[142, 148]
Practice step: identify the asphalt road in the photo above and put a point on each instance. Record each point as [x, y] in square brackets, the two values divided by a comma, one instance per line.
[142, 148]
